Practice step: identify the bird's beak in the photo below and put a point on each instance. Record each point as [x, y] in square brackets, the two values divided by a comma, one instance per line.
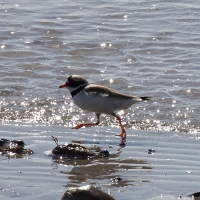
[63, 85]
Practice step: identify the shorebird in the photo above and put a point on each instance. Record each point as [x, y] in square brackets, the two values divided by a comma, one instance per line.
[99, 99]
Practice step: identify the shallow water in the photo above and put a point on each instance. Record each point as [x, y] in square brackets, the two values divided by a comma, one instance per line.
[147, 48]
[171, 171]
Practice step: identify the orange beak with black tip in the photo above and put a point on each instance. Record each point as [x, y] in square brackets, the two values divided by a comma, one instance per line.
[63, 85]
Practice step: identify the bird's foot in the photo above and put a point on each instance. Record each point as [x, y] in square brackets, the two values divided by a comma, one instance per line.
[119, 135]
[78, 126]
[123, 136]
[81, 125]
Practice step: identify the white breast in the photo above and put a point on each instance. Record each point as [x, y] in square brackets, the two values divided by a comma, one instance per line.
[100, 103]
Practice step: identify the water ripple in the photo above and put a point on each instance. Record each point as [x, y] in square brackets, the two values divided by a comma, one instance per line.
[140, 48]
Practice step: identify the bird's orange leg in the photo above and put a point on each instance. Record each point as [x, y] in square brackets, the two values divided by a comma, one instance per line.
[123, 133]
[88, 124]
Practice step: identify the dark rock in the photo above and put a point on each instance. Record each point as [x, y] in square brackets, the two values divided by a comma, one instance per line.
[196, 196]
[73, 151]
[13, 146]
[86, 193]
[116, 179]
[150, 151]
[103, 153]
[11, 143]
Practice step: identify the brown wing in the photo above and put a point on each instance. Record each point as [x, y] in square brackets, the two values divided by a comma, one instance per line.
[107, 92]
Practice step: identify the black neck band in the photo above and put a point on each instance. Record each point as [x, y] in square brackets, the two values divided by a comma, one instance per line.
[78, 90]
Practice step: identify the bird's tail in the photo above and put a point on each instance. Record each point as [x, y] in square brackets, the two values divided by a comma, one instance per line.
[146, 98]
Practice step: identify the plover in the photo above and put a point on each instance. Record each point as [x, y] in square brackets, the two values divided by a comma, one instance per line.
[99, 99]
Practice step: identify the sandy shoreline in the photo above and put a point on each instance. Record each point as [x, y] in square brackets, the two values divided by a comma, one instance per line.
[171, 172]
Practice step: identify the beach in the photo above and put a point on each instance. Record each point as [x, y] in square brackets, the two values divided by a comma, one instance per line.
[138, 48]
[170, 172]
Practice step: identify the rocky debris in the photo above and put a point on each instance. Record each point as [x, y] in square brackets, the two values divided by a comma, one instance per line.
[86, 193]
[196, 196]
[103, 153]
[13, 146]
[116, 179]
[11, 143]
[76, 151]
[150, 151]
[73, 151]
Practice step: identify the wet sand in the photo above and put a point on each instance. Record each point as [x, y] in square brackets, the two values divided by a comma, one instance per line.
[145, 48]
[171, 172]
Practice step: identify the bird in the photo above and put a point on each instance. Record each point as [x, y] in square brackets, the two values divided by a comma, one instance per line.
[99, 99]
